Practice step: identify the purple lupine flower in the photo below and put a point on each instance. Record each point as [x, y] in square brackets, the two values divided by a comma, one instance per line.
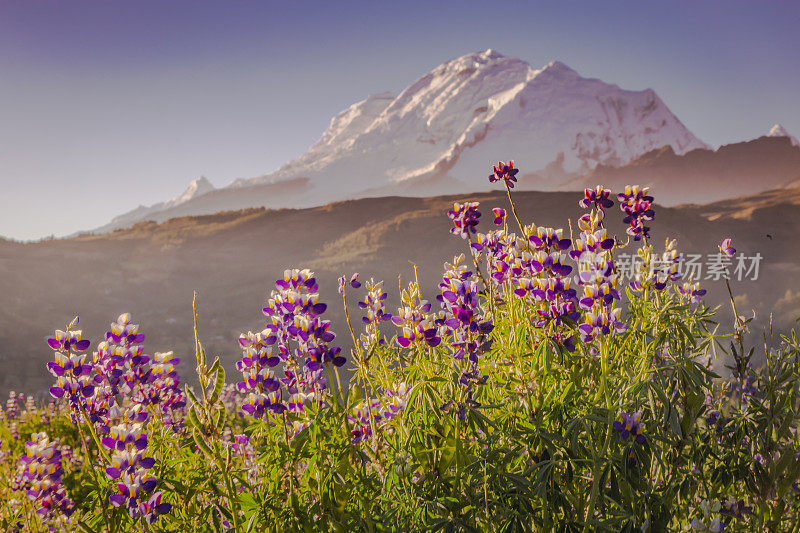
[374, 304]
[746, 385]
[666, 268]
[637, 206]
[260, 384]
[39, 476]
[465, 218]
[123, 368]
[692, 291]
[12, 406]
[374, 413]
[601, 321]
[558, 301]
[499, 215]
[73, 371]
[727, 248]
[504, 172]
[501, 253]
[596, 275]
[296, 336]
[361, 417]
[121, 360]
[164, 390]
[592, 241]
[464, 319]
[735, 508]
[629, 427]
[353, 282]
[66, 341]
[418, 324]
[153, 508]
[598, 197]
[549, 239]
[130, 467]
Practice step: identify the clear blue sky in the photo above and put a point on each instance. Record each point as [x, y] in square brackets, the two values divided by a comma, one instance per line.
[108, 104]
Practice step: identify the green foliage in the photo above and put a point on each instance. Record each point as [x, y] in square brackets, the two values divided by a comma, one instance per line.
[531, 448]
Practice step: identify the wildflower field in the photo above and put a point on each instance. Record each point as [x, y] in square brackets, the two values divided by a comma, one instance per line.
[534, 392]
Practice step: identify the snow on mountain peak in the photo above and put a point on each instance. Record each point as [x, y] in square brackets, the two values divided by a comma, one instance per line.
[465, 114]
[558, 68]
[196, 188]
[779, 131]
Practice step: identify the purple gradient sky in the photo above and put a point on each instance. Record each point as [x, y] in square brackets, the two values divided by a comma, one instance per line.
[108, 104]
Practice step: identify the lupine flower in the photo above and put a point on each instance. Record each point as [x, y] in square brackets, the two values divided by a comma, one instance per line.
[124, 369]
[353, 282]
[589, 241]
[706, 521]
[601, 321]
[65, 341]
[692, 291]
[727, 248]
[259, 381]
[71, 370]
[505, 172]
[163, 389]
[598, 197]
[374, 413]
[153, 508]
[549, 239]
[298, 337]
[130, 468]
[501, 253]
[745, 386]
[374, 304]
[667, 267]
[636, 204]
[39, 476]
[596, 275]
[735, 508]
[499, 215]
[361, 417]
[12, 406]
[121, 361]
[418, 325]
[464, 320]
[629, 427]
[243, 449]
[465, 218]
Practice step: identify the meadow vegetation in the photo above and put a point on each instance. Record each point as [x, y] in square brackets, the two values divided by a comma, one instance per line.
[534, 392]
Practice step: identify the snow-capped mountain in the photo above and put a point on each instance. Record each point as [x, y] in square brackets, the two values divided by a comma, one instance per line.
[442, 132]
[472, 110]
[196, 188]
[779, 131]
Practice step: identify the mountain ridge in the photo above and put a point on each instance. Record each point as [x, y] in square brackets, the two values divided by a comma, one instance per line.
[459, 117]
